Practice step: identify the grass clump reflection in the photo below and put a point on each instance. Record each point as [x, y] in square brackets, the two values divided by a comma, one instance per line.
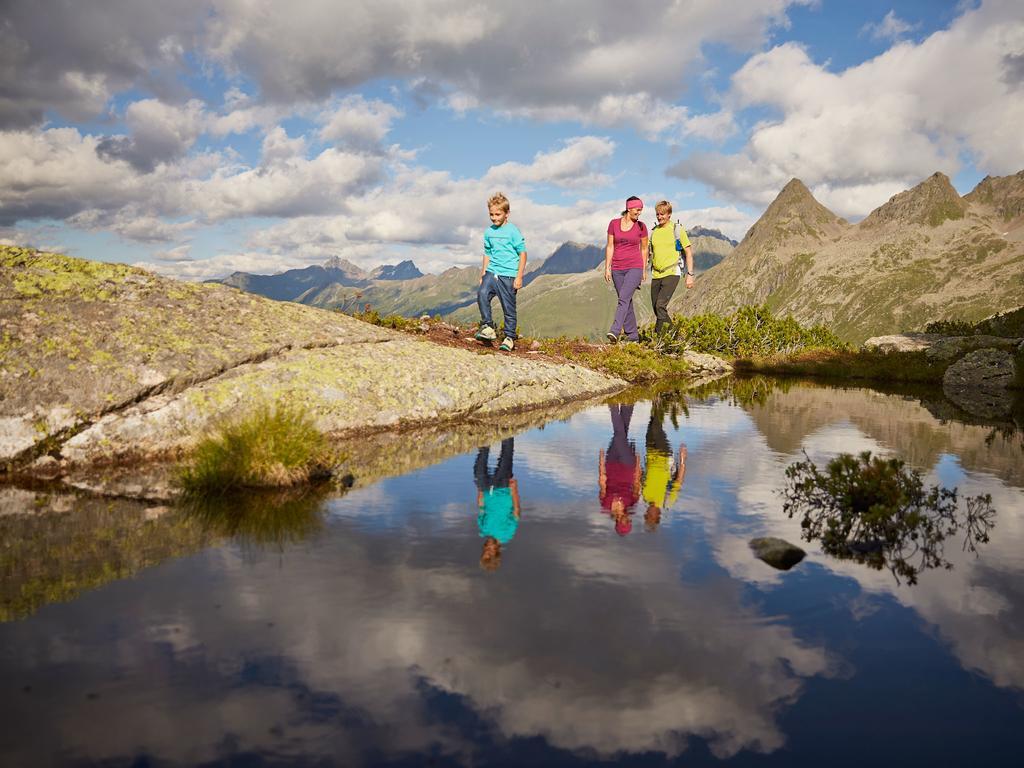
[273, 446]
[262, 517]
[877, 511]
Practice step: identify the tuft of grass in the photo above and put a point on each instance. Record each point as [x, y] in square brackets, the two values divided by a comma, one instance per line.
[396, 322]
[273, 446]
[631, 362]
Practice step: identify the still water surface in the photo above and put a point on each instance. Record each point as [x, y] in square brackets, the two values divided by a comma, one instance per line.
[384, 627]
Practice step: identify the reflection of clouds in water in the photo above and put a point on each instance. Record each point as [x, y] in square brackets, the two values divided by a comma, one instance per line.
[629, 660]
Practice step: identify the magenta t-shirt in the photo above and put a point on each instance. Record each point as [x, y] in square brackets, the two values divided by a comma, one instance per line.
[626, 254]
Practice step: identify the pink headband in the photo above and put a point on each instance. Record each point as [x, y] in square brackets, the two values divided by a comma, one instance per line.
[634, 204]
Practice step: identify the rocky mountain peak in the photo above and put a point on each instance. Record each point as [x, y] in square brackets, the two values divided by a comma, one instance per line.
[346, 266]
[716, 234]
[931, 202]
[568, 258]
[794, 213]
[1005, 194]
[404, 270]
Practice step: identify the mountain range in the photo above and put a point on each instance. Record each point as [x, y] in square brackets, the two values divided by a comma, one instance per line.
[927, 254]
[560, 293]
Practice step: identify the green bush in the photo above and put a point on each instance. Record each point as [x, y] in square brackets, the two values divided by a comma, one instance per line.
[950, 328]
[273, 446]
[749, 332]
[1006, 324]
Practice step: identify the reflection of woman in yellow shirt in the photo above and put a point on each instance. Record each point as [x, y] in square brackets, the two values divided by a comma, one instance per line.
[660, 486]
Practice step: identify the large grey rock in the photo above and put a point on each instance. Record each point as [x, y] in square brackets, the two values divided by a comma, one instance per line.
[778, 553]
[106, 361]
[937, 346]
[703, 365]
[980, 382]
[902, 342]
[350, 388]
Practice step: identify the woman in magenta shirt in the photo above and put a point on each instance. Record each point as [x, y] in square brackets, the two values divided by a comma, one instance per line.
[625, 265]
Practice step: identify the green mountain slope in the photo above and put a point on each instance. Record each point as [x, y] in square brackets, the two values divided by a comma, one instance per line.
[925, 255]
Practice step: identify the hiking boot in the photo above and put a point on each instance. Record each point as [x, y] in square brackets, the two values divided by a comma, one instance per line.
[507, 344]
[612, 338]
[486, 333]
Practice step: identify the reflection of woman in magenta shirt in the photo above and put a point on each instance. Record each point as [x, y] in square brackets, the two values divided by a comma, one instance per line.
[625, 265]
[619, 472]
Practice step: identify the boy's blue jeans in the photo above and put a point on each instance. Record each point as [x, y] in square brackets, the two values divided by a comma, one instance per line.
[498, 285]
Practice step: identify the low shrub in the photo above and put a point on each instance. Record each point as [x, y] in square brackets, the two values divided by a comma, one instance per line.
[751, 331]
[273, 446]
[631, 362]
[1006, 324]
[950, 328]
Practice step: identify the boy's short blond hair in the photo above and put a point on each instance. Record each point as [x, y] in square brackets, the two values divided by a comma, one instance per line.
[663, 206]
[498, 200]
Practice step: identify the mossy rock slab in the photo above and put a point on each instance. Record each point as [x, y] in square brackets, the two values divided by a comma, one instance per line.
[104, 360]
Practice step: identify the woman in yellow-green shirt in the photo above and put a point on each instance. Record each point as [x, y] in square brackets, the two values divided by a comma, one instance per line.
[664, 260]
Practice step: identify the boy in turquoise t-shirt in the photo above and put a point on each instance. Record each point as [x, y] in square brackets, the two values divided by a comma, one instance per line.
[497, 498]
[502, 272]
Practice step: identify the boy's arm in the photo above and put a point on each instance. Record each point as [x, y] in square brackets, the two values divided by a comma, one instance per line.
[677, 481]
[483, 268]
[688, 250]
[515, 496]
[518, 283]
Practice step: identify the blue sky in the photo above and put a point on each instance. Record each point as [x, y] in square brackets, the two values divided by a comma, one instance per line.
[206, 136]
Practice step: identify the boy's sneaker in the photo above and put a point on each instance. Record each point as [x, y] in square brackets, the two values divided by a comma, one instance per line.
[486, 333]
[612, 338]
[507, 344]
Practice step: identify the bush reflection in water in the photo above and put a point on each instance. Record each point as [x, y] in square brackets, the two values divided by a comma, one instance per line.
[876, 511]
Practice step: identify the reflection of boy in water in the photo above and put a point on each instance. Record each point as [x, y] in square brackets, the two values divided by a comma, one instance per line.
[657, 491]
[618, 474]
[497, 498]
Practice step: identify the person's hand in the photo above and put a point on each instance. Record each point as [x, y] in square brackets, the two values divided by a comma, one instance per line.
[689, 281]
[481, 280]
[608, 275]
[517, 283]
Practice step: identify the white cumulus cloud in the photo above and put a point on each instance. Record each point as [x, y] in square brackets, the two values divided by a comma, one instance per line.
[881, 126]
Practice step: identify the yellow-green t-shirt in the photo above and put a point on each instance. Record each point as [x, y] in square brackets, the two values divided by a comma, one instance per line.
[665, 257]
